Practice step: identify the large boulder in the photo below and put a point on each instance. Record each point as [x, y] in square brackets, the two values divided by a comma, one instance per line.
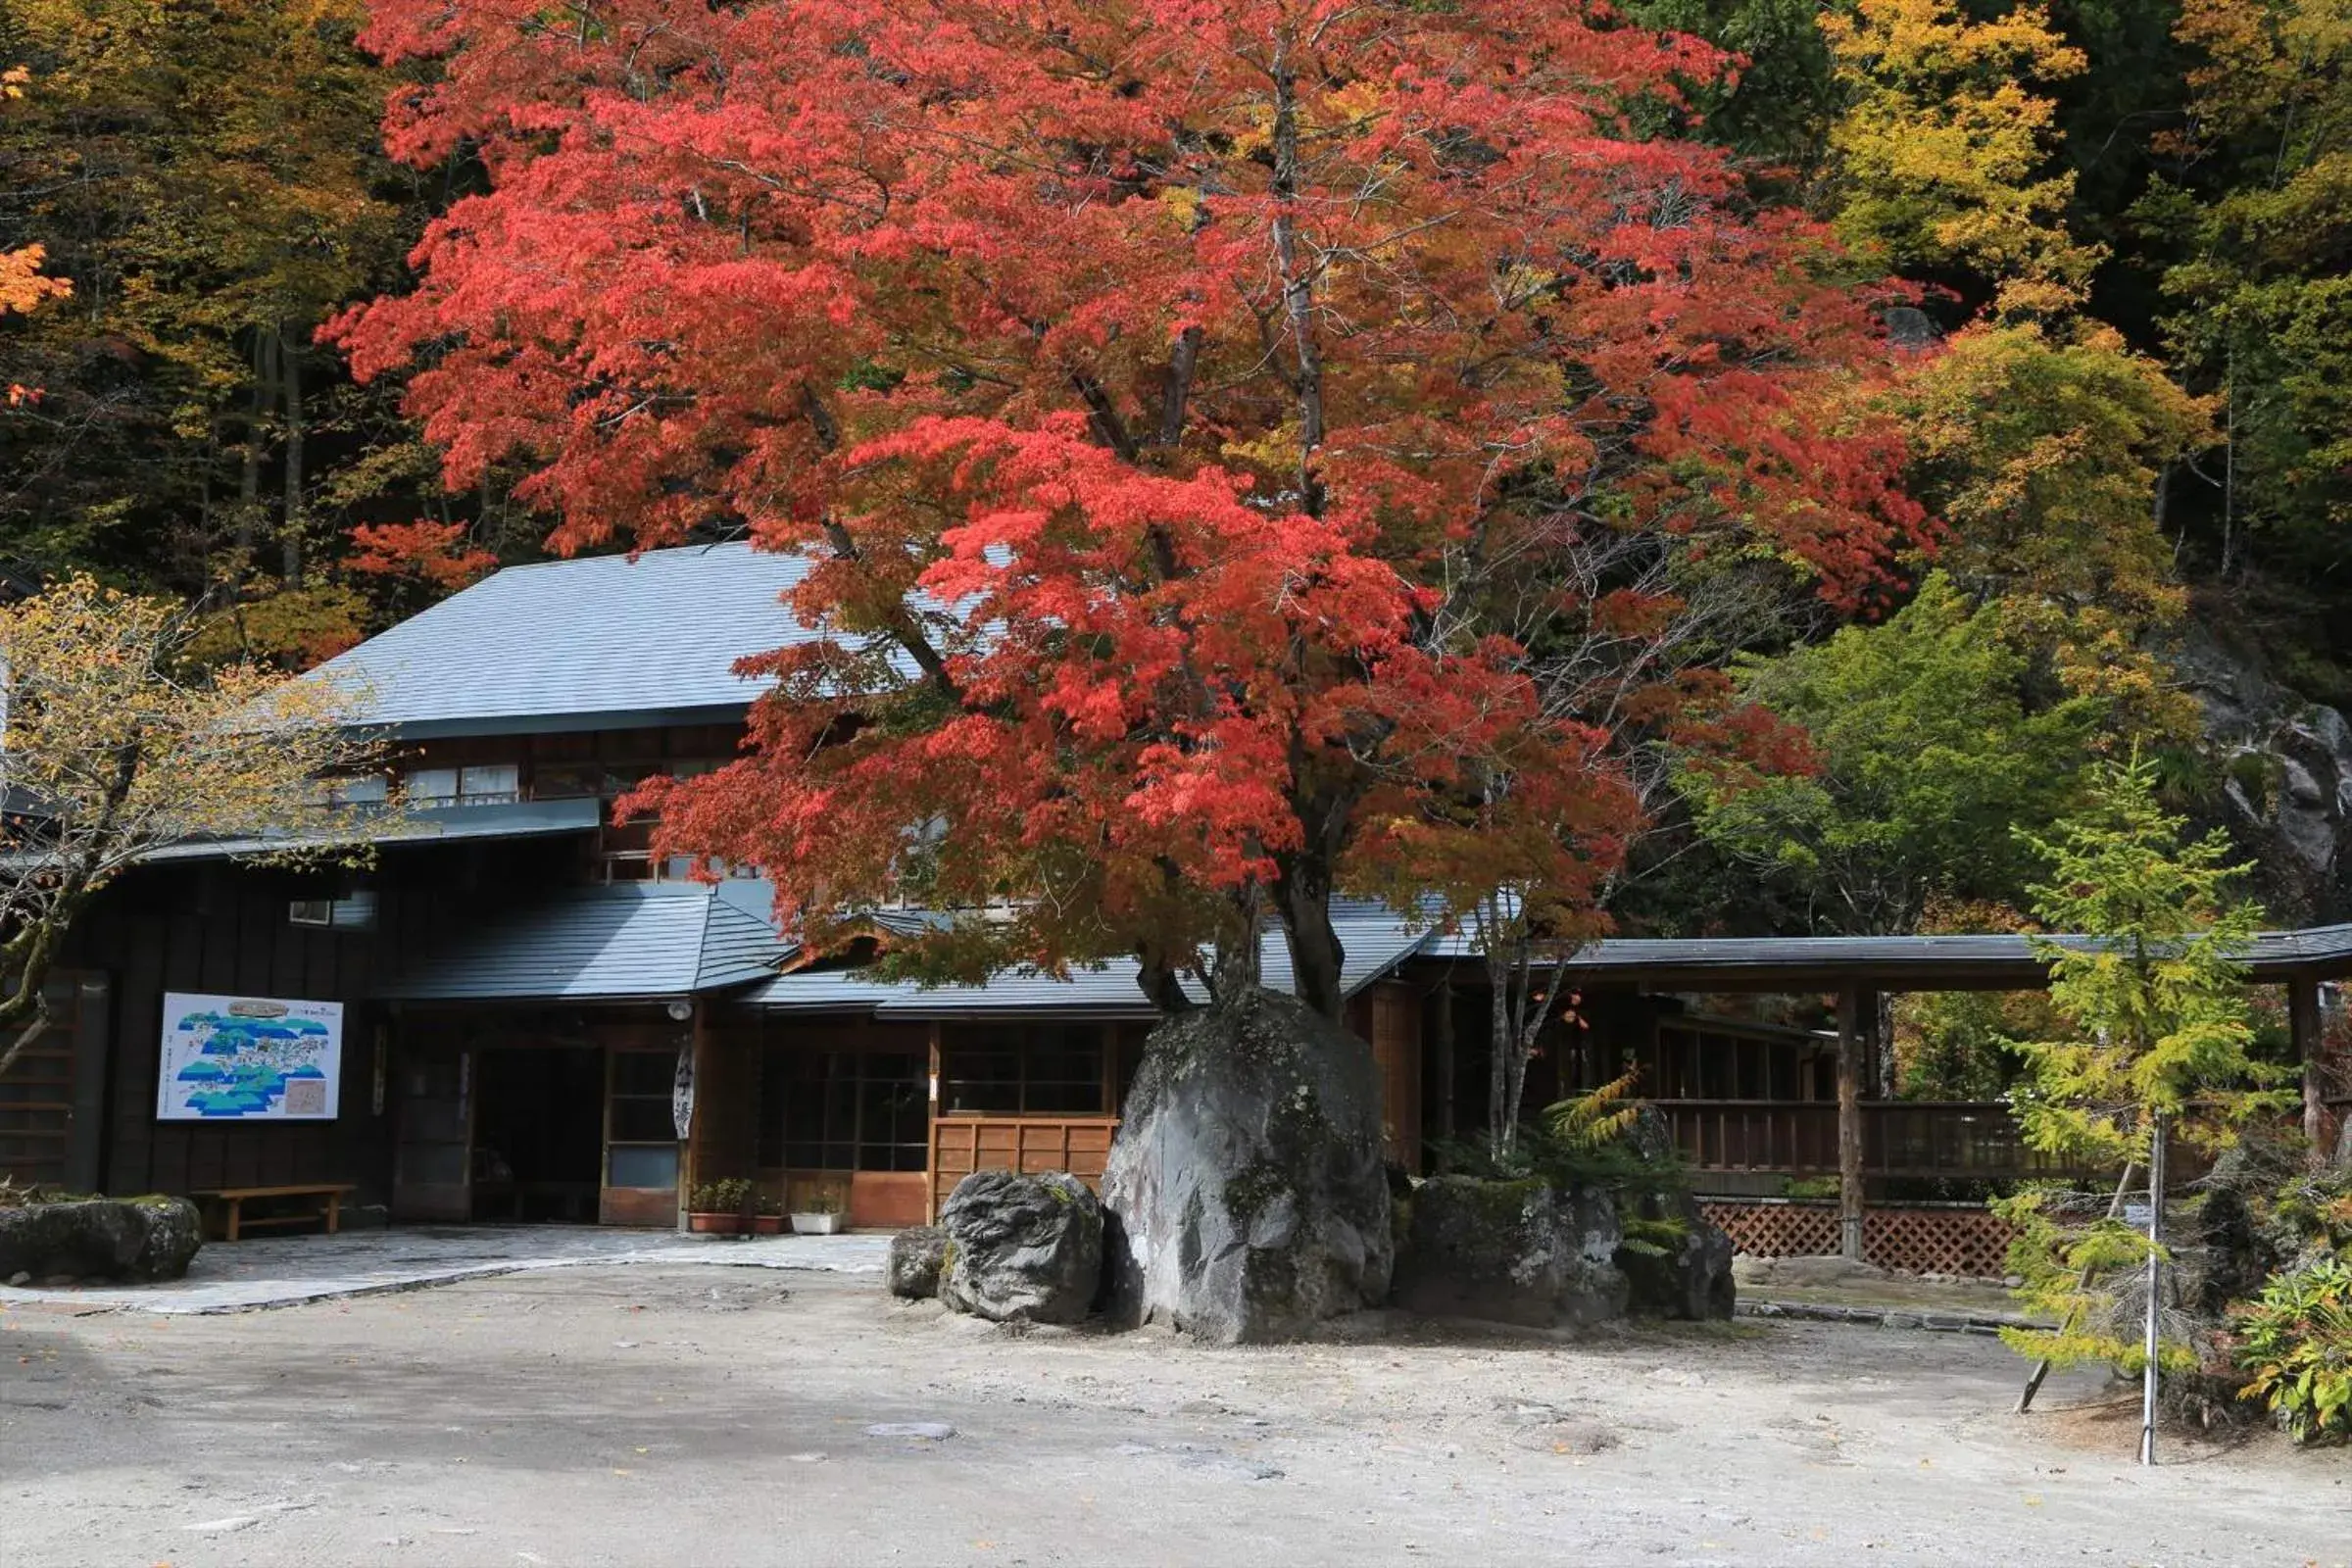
[1512, 1251]
[1246, 1193]
[100, 1238]
[1021, 1248]
[915, 1257]
[1678, 1261]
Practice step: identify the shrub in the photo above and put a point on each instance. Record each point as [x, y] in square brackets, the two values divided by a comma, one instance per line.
[2296, 1339]
[727, 1196]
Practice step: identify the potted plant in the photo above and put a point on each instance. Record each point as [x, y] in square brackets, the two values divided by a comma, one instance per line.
[766, 1217]
[821, 1215]
[716, 1208]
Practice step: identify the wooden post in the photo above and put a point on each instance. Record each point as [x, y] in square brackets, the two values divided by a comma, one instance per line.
[1850, 1012]
[931, 1138]
[1445, 1055]
[695, 1136]
[2310, 1048]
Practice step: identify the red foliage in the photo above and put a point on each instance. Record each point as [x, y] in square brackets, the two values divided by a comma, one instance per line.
[435, 551]
[1201, 411]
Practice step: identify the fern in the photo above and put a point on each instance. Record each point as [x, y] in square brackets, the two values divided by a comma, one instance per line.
[2296, 1340]
[1591, 1122]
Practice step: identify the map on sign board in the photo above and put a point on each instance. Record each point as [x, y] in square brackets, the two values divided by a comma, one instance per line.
[247, 1058]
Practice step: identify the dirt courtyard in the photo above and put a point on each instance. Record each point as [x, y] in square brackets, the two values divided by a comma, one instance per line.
[662, 1413]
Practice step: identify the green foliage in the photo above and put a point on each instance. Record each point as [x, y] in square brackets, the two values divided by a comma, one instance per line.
[2073, 1260]
[1586, 1140]
[2312, 1213]
[1926, 753]
[1779, 106]
[2160, 1035]
[1651, 1237]
[2263, 310]
[731, 1194]
[2157, 1003]
[2296, 1340]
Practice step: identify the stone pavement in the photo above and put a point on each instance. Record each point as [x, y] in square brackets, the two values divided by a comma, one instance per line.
[286, 1270]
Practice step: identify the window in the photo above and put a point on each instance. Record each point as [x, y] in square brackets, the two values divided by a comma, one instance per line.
[845, 1110]
[1045, 1070]
[356, 789]
[491, 784]
[640, 1126]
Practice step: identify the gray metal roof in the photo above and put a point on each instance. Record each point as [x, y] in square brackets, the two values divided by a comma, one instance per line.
[1988, 962]
[399, 828]
[639, 939]
[600, 642]
[1374, 940]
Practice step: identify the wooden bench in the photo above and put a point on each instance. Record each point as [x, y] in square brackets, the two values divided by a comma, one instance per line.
[231, 1200]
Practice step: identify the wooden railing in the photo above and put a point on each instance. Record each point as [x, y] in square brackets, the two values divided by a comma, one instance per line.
[1899, 1138]
[961, 1144]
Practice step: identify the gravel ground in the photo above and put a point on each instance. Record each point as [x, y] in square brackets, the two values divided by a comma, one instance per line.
[658, 1413]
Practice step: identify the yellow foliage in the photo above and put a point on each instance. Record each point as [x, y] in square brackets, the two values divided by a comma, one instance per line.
[114, 749]
[1942, 153]
[1595, 1119]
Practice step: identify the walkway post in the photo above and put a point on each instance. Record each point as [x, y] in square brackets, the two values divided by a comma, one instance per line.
[2310, 1033]
[2149, 1375]
[1851, 1007]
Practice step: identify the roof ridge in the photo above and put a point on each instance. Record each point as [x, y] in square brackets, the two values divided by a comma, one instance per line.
[630, 557]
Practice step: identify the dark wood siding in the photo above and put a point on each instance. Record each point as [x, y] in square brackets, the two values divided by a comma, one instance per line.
[224, 928]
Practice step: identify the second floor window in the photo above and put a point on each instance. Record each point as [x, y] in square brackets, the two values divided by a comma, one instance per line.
[355, 789]
[491, 784]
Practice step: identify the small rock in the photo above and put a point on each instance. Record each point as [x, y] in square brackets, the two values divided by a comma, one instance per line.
[55, 1281]
[19, 1277]
[1224, 1465]
[926, 1431]
[222, 1527]
[2013, 1282]
[916, 1255]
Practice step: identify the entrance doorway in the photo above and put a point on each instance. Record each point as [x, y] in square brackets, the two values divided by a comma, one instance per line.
[539, 1133]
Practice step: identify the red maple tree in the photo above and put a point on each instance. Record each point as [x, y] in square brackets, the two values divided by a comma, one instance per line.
[1210, 421]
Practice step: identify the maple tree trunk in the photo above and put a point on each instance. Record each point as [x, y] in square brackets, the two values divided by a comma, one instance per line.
[1499, 1128]
[1236, 968]
[1303, 897]
[1298, 284]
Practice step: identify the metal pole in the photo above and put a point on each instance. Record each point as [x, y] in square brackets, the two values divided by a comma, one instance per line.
[2147, 1387]
[2041, 1368]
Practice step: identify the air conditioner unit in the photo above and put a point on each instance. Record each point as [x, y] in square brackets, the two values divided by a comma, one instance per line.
[311, 911]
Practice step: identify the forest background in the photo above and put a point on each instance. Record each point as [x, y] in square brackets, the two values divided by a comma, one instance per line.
[2126, 394]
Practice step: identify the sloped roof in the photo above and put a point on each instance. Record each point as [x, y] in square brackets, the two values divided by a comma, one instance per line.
[1373, 940]
[1966, 963]
[638, 940]
[599, 642]
[401, 827]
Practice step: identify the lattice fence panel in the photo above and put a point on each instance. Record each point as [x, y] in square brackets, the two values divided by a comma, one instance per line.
[1971, 1242]
[1777, 1230]
[1937, 1241]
